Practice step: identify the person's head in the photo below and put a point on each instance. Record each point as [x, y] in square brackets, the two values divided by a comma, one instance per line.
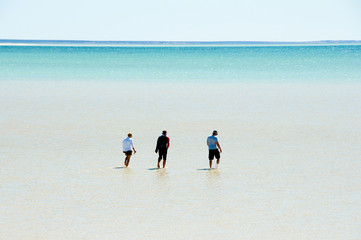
[164, 132]
[215, 133]
[130, 135]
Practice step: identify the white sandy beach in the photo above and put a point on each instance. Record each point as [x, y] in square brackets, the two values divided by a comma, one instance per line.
[290, 168]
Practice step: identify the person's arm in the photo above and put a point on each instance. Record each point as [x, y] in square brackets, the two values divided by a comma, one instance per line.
[219, 146]
[157, 147]
[132, 144]
[168, 142]
[207, 142]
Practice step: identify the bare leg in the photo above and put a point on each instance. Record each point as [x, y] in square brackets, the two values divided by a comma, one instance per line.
[164, 162]
[127, 161]
[210, 163]
[158, 163]
[218, 160]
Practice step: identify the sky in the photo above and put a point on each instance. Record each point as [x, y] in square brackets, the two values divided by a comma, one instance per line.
[182, 20]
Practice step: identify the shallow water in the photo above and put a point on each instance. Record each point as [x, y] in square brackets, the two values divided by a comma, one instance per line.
[245, 64]
[290, 167]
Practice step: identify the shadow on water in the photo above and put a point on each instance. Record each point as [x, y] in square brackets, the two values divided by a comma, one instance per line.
[120, 167]
[152, 169]
[207, 169]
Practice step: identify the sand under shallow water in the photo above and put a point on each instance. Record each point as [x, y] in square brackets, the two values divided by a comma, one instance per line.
[290, 168]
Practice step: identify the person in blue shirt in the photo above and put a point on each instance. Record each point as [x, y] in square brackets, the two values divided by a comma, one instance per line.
[213, 146]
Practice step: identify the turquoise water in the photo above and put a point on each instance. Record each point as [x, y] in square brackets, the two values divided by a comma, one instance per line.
[290, 166]
[337, 63]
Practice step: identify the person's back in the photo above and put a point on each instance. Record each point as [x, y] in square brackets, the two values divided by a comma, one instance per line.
[127, 144]
[212, 142]
[162, 143]
[213, 146]
[162, 148]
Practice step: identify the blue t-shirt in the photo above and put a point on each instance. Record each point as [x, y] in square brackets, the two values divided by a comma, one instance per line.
[212, 142]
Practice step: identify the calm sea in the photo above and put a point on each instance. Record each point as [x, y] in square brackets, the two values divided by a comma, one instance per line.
[288, 119]
[325, 63]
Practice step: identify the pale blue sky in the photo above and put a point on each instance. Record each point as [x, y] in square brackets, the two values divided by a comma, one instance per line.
[185, 20]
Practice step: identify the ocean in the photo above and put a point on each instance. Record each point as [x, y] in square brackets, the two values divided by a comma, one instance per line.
[240, 64]
[288, 118]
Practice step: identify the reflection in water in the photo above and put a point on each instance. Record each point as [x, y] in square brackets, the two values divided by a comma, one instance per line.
[127, 174]
[213, 175]
[162, 174]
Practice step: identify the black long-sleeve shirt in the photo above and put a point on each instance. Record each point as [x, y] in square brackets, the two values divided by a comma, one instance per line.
[162, 143]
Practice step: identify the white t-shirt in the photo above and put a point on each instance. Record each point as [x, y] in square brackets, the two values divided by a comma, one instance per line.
[128, 144]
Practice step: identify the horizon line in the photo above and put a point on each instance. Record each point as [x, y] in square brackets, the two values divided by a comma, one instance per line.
[153, 42]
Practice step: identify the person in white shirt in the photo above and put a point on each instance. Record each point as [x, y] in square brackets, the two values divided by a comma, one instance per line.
[127, 149]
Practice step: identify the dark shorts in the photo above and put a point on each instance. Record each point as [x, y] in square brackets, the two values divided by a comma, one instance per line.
[128, 153]
[214, 153]
[162, 154]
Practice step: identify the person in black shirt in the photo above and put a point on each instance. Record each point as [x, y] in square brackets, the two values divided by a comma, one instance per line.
[162, 148]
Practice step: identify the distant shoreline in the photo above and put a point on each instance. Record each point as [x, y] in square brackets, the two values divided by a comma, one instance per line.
[19, 42]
